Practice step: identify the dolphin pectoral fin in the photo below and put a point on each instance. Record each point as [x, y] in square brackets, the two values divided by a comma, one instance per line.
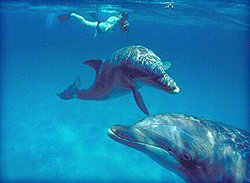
[71, 91]
[139, 101]
[95, 64]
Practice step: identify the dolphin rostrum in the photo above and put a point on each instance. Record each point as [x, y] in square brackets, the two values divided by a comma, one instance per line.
[195, 149]
[121, 73]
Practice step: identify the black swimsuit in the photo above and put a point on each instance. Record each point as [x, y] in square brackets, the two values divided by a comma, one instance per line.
[99, 31]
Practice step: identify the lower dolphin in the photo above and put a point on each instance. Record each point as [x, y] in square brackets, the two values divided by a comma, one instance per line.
[197, 150]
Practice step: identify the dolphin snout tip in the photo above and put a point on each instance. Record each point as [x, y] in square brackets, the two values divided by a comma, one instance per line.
[174, 90]
[110, 133]
[118, 132]
[113, 130]
[177, 90]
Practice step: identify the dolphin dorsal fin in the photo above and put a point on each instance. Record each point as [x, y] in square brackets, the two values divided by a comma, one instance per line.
[95, 64]
[166, 65]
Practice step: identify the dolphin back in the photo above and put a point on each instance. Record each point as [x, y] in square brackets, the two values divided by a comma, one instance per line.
[139, 56]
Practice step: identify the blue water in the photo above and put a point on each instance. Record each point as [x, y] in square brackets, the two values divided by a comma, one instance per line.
[47, 139]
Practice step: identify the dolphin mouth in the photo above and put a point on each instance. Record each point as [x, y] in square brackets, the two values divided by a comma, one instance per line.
[147, 148]
[131, 142]
[116, 135]
[167, 85]
[113, 133]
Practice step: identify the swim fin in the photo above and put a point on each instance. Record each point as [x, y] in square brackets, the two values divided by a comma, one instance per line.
[64, 17]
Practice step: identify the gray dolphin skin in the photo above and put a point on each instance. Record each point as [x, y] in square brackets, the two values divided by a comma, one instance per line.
[121, 72]
[197, 150]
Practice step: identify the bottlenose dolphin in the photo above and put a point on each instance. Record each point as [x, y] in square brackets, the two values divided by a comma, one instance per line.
[121, 73]
[195, 149]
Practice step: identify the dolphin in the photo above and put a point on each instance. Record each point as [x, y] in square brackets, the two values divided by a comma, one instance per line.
[198, 150]
[120, 74]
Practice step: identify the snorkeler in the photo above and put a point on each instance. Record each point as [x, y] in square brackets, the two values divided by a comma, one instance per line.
[112, 24]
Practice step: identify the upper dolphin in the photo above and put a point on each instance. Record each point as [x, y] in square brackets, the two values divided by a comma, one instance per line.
[198, 150]
[121, 72]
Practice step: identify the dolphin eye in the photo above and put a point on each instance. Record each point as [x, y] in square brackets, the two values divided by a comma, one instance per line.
[168, 149]
[131, 76]
[186, 157]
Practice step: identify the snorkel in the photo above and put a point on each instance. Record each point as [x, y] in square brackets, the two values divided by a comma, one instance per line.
[124, 25]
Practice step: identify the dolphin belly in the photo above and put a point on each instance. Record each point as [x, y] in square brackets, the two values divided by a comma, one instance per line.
[117, 92]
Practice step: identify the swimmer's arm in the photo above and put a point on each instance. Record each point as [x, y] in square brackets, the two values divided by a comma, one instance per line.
[96, 32]
[112, 23]
[110, 26]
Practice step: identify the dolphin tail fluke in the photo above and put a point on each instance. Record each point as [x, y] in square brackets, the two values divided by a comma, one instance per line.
[139, 101]
[64, 17]
[72, 91]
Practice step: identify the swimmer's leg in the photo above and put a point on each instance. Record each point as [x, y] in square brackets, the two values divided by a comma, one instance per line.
[84, 21]
[72, 91]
